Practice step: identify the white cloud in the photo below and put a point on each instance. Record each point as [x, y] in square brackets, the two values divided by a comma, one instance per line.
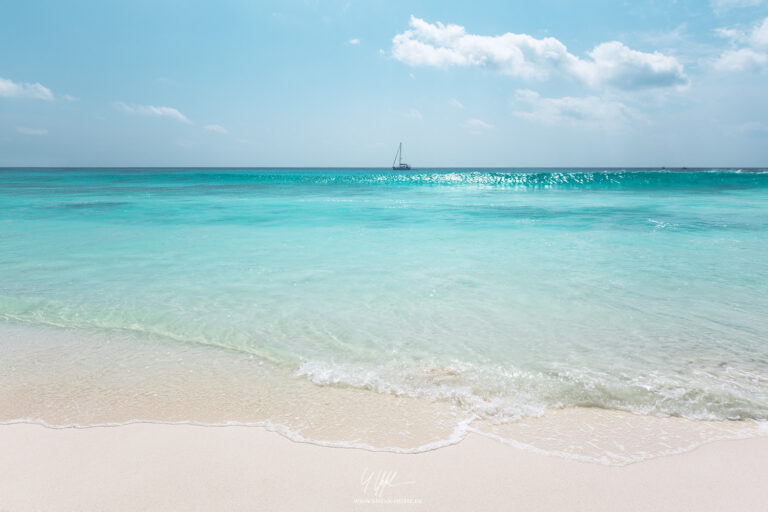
[759, 36]
[215, 128]
[610, 64]
[740, 60]
[616, 65]
[354, 41]
[667, 38]
[11, 89]
[756, 36]
[151, 110]
[69, 97]
[414, 114]
[31, 131]
[721, 6]
[479, 125]
[456, 103]
[733, 34]
[752, 53]
[589, 110]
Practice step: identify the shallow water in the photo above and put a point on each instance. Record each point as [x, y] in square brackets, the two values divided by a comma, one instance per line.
[385, 309]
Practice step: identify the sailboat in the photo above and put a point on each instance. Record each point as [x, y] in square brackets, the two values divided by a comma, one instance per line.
[399, 159]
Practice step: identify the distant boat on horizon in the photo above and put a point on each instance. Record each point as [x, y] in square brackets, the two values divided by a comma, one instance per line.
[397, 163]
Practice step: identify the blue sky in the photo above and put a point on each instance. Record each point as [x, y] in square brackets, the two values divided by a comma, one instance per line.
[324, 83]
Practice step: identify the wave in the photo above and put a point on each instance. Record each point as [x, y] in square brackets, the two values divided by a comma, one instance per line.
[506, 393]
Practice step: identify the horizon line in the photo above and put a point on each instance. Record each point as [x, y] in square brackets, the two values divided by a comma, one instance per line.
[348, 167]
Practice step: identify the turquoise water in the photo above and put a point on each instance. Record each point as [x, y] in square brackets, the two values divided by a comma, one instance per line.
[504, 293]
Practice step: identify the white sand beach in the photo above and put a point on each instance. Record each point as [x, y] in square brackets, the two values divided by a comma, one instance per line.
[184, 467]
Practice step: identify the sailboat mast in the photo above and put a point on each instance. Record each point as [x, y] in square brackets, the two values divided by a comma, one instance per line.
[397, 163]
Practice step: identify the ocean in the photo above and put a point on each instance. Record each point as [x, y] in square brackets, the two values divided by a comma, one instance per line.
[554, 309]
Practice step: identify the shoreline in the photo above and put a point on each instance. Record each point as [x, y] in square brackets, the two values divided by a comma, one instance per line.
[643, 434]
[187, 467]
[162, 384]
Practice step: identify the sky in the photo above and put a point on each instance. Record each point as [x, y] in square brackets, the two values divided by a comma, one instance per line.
[341, 82]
